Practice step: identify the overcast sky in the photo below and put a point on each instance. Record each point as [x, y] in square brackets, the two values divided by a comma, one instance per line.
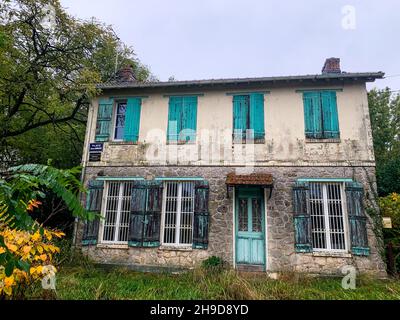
[193, 39]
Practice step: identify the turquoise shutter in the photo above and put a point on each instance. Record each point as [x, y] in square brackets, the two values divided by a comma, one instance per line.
[302, 218]
[104, 116]
[312, 115]
[240, 117]
[330, 115]
[174, 118]
[257, 119]
[145, 216]
[201, 215]
[93, 206]
[132, 119]
[137, 214]
[357, 219]
[189, 119]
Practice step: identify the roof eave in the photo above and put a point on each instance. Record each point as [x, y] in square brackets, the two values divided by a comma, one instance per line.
[363, 77]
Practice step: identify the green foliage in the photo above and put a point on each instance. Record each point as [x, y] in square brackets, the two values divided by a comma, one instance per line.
[48, 73]
[390, 207]
[385, 122]
[120, 284]
[19, 185]
[213, 263]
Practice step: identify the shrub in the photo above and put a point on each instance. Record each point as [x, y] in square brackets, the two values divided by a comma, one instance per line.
[26, 256]
[213, 263]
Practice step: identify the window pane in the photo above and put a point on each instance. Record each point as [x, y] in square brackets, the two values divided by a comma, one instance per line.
[335, 211]
[117, 211]
[120, 121]
[243, 215]
[178, 216]
[318, 228]
[187, 209]
[171, 207]
[257, 215]
[111, 211]
[327, 219]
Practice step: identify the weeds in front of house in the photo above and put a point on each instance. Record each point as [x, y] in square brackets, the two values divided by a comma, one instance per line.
[211, 281]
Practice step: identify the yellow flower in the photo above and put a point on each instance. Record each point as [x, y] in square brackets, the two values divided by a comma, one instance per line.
[12, 247]
[8, 281]
[7, 290]
[26, 249]
[36, 236]
[2, 250]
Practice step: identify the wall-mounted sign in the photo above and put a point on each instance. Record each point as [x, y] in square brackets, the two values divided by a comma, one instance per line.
[96, 147]
[387, 223]
[94, 157]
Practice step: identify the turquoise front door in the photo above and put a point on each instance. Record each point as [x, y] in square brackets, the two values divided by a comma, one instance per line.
[250, 227]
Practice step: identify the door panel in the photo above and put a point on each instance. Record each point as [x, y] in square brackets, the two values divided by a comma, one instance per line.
[250, 233]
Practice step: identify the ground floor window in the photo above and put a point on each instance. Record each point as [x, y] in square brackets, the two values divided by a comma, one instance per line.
[116, 211]
[178, 210]
[328, 223]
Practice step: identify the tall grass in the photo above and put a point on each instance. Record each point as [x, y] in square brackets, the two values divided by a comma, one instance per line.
[83, 283]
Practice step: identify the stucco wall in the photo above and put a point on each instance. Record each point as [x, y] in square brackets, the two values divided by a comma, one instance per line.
[284, 124]
[280, 231]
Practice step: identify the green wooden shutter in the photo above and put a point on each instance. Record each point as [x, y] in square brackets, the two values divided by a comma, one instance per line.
[137, 215]
[145, 217]
[330, 115]
[201, 215]
[302, 219]
[175, 118]
[152, 219]
[313, 115]
[241, 117]
[357, 219]
[93, 205]
[257, 118]
[104, 116]
[189, 119]
[132, 119]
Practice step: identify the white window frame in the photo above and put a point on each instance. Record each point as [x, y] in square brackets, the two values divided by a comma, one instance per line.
[118, 218]
[114, 119]
[178, 215]
[326, 218]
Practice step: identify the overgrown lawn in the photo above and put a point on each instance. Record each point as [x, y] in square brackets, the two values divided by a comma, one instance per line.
[97, 284]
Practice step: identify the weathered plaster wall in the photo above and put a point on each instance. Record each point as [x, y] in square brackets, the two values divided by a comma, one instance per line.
[285, 142]
[280, 231]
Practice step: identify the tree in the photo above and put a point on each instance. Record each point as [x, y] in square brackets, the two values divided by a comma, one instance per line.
[385, 122]
[50, 64]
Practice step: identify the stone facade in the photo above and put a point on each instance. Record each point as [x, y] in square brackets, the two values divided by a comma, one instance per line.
[281, 255]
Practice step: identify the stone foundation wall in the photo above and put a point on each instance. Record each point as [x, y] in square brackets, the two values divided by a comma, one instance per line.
[280, 230]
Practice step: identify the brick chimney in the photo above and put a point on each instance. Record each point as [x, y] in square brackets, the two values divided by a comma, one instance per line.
[332, 65]
[126, 74]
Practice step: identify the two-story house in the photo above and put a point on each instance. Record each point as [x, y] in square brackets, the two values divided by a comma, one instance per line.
[271, 174]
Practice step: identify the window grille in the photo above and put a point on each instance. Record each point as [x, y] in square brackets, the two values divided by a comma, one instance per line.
[328, 225]
[178, 213]
[117, 211]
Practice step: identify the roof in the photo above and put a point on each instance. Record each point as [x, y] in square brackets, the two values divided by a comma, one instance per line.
[324, 78]
[264, 179]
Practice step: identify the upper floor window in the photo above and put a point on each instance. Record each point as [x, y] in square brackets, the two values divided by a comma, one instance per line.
[120, 114]
[182, 119]
[248, 118]
[118, 121]
[321, 115]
